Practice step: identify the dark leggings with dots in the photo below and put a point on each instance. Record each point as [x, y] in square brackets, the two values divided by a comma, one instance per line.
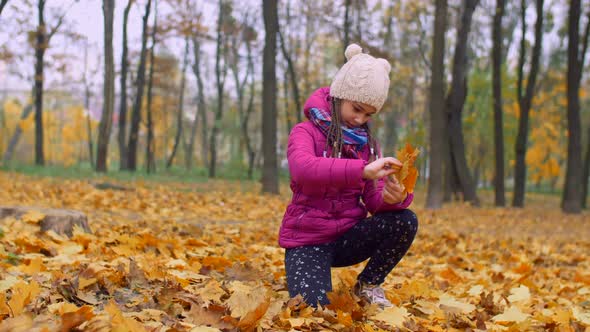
[383, 239]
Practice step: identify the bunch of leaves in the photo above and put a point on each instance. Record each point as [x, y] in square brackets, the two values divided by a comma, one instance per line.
[408, 173]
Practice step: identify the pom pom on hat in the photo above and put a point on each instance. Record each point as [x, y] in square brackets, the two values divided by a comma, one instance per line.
[352, 50]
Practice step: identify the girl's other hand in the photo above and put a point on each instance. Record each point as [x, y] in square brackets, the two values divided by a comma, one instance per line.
[392, 191]
[381, 168]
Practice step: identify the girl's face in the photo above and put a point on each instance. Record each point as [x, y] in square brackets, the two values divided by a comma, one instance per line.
[355, 114]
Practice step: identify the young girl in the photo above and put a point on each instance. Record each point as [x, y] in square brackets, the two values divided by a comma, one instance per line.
[336, 178]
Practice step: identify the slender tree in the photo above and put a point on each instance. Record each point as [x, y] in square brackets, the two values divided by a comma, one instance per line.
[346, 27]
[180, 113]
[140, 81]
[201, 108]
[18, 131]
[292, 74]
[525, 100]
[122, 134]
[106, 119]
[572, 193]
[246, 119]
[434, 197]
[270, 180]
[247, 35]
[586, 172]
[150, 148]
[455, 103]
[42, 39]
[586, 169]
[220, 75]
[499, 198]
[87, 95]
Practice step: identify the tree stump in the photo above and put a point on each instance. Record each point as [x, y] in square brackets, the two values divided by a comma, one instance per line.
[61, 221]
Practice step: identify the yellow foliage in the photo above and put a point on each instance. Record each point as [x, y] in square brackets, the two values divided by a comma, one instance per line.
[65, 133]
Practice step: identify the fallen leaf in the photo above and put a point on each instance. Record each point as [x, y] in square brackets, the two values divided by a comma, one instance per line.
[71, 320]
[475, 290]
[22, 323]
[23, 294]
[583, 317]
[449, 301]
[512, 315]
[35, 266]
[204, 329]
[519, 294]
[122, 323]
[394, 316]
[211, 292]
[8, 282]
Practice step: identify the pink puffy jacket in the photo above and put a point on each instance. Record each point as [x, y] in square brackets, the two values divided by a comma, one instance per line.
[329, 194]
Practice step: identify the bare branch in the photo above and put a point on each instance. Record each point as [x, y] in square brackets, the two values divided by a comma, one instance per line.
[60, 21]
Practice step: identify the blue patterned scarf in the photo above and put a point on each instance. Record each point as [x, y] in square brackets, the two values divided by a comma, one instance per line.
[353, 137]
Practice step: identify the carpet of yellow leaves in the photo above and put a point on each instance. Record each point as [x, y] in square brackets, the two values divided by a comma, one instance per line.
[204, 257]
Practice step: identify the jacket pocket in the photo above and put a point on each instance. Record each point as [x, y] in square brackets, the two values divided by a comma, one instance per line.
[297, 225]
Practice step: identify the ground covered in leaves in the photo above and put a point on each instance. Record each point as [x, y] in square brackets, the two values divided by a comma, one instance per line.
[204, 257]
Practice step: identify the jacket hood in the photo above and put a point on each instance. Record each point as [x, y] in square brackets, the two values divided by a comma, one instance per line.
[320, 99]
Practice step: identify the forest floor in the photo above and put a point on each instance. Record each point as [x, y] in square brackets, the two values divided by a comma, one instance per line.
[184, 256]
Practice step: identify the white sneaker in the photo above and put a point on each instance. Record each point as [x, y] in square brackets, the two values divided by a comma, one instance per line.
[372, 294]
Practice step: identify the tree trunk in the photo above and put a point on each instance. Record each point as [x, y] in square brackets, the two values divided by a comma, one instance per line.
[140, 82]
[106, 119]
[500, 199]
[434, 197]
[359, 14]
[346, 26]
[200, 109]
[240, 86]
[456, 102]
[288, 124]
[16, 135]
[270, 180]
[292, 75]
[250, 108]
[150, 149]
[525, 101]
[572, 191]
[180, 114]
[40, 47]
[2, 5]
[220, 79]
[122, 134]
[586, 173]
[391, 116]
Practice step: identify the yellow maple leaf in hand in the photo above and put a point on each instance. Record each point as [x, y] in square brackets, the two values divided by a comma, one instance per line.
[408, 174]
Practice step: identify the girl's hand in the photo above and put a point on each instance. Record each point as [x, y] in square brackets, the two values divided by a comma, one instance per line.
[392, 191]
[381, 167]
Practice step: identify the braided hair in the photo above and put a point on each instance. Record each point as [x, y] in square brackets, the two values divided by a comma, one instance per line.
[334, 136]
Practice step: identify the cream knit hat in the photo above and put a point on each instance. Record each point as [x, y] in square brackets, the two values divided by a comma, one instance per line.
[362, 78]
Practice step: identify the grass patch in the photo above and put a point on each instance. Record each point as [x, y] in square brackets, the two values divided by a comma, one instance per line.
[84, 171]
